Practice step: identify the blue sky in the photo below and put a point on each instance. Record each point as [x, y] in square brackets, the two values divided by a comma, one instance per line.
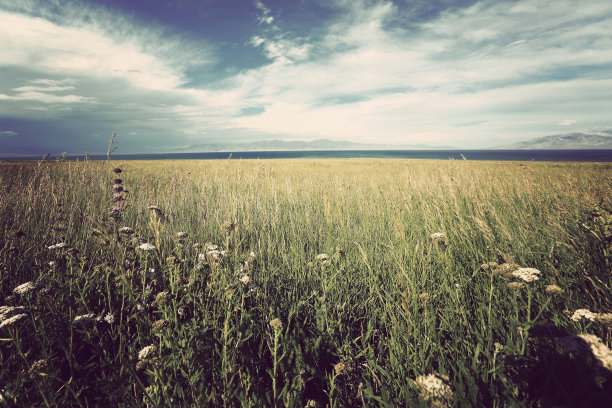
[173, 75]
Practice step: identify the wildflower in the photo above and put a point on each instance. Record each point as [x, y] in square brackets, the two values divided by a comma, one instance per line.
[322, 257]
[276, 323]
[147, 247]
[245, 279]
[526, 274]
[126, 230]
[117, 170]
[117, 181]
[584, 343]
[181, 235]
[118, 188]
[438, 237]
[515, 285]
[11, 320]
[252, 256]
[25, 288]
[583, 313]
[553, 290]
[180, 311]
[171, 260]
[147, 351]
[138, 241]
[424, 297]
[599, 350]
[117, 197]
[310, 264]
[159, 325]
[434, 390]
[109, 318]
[84, 320]
[504, 269]
[139, 307]
[8, 311]
[161, 299]
[52, 264]
[605, 319]
[142, 365]
[338, 368]
[58, 246]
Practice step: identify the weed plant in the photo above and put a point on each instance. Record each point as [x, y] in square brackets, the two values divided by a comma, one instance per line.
[339, 283]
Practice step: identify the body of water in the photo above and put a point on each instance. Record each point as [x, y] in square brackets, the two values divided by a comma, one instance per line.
[496, 155]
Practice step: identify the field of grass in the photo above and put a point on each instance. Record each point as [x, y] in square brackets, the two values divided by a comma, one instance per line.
[305, 283]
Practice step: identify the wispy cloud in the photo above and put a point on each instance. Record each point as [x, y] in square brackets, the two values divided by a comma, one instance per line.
[8, 133]
[567, 122]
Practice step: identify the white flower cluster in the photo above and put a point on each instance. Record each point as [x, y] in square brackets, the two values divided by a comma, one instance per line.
[527, 274]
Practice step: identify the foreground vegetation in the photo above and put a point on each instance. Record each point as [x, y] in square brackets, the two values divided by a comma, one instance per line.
[305, 283]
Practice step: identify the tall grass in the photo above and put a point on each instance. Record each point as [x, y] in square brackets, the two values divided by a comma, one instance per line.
[261, 321]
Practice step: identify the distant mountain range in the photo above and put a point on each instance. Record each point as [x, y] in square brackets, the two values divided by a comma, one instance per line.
[565, 141]
[320, 144]
[568, 141]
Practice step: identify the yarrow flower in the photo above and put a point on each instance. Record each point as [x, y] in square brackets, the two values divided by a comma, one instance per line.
[8, 311]
[434, 390]
[161, 299]
[276, 323]
[553, 290]
[109, 318]
[605, 319]
[147, 352]
[58, 246]
[84, 320]
[126, 230]
[322, 257]
[527, 274]
[147, 247]
[181, 235]
[583, 314]
[159, 325]
[245, 279]
[438, 237]
[25, 288]
[515, 285]
[12, 320]
[587, 343]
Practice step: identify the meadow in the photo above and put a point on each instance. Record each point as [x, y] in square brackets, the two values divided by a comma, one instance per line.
[334, 282]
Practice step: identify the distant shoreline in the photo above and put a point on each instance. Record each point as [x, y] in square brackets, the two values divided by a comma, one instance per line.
[582, 155]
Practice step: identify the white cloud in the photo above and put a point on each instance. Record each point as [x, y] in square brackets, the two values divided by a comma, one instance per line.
[567, 122]
[8, 133]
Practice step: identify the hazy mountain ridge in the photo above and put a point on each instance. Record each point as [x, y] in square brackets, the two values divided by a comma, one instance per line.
[320, 144]
[569, 141]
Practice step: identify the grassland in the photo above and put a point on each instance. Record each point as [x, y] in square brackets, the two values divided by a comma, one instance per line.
[242, 311]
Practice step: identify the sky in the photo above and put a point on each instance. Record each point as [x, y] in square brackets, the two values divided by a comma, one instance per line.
[176, 75]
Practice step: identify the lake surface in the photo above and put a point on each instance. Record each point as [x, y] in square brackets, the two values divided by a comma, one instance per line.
[497, 155]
